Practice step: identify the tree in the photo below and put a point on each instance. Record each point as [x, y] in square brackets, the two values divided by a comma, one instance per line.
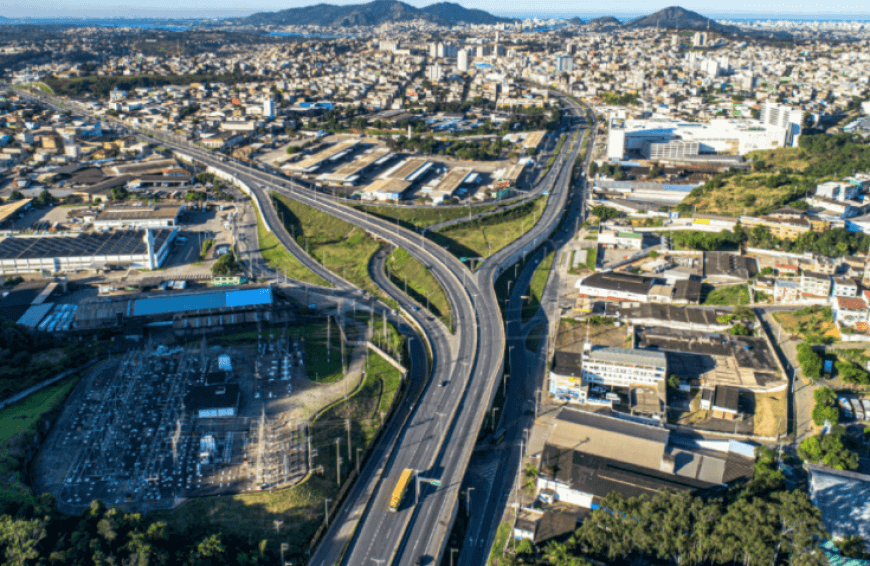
[850, 373]
[14, 195]
[825, 408]
[853, 546]
[739, 330]
[811, 363]
[119, 193]
[226, 265]
[828, 450]
[45, 198]
[605, 212]
[673, 381]
[19, 539]
[197, 196]
[593, 169]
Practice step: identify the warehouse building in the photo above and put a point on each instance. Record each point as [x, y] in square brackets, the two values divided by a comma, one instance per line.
[614, 286]
[589, 455]
[186, 313]
[138, 249]
[156, 216]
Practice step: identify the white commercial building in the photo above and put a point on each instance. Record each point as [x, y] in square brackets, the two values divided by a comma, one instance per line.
[624, 367]
[462, 60]
[718, 136]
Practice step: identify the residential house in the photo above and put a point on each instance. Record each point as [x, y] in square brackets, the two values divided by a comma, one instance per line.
[844, 287]
[786, 291]
[849, 311]
[815, 285]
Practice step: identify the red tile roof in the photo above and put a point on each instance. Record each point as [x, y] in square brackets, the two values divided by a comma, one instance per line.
[851, 304]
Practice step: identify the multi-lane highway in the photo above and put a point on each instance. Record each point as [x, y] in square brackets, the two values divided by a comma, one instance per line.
[438, 436]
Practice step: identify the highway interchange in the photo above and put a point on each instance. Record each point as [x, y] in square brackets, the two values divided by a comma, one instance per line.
[438, 435]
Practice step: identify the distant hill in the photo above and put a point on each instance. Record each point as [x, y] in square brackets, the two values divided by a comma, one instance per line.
[603, 24]
[454, 13]
[372, 14]
[576, 21]
[675, 17]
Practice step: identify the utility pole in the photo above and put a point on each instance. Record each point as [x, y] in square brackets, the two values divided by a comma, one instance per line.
[338, 459]
[326, 505]
[349, 455]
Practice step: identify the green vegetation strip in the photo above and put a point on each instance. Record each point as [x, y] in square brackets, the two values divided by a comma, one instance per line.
[780, 176]
[501, 536]
[412, 218]
[485, 236]
[281, 260]
[403, 268]
[22, 416]
[339, 246]
[536, 288]
[732, 295]
[251, 516]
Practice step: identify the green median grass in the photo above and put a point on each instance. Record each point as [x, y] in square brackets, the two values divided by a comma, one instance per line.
[301, 507]
[536, 288]
[403, 268]
[412, 218]
[484, 237]
[339, 246]
[280, 259]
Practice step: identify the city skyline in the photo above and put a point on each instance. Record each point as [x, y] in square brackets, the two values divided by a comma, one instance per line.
[626, 9]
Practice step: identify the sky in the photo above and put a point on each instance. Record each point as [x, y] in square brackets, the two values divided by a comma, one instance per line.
[840, 9]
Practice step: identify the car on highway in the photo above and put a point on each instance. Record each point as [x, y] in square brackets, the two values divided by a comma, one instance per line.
[415, 309]
[444, 383]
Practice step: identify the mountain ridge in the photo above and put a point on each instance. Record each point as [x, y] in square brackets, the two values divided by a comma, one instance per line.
[373, 13]
[677, 17]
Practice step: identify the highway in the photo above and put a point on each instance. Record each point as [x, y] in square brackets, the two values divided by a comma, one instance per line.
[518, 413]
[441, 431]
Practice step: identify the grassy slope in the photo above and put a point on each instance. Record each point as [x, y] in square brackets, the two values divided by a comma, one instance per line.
[300, 507]
[21, 416]
[748, 192]
[280, 259]
[470, 239]
[536, 288]
[402, 266]
[343, 248]
[421, 217]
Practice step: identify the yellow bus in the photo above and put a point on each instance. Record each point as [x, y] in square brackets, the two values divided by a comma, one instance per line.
[400, 489]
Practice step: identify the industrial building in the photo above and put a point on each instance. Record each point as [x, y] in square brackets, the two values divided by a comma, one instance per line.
[194, 312]
[349, 173]
[139, 249]
[385, 189]
[213, 401]
[153, 216]
[680, 140]
[589, 455]
[333, 153]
